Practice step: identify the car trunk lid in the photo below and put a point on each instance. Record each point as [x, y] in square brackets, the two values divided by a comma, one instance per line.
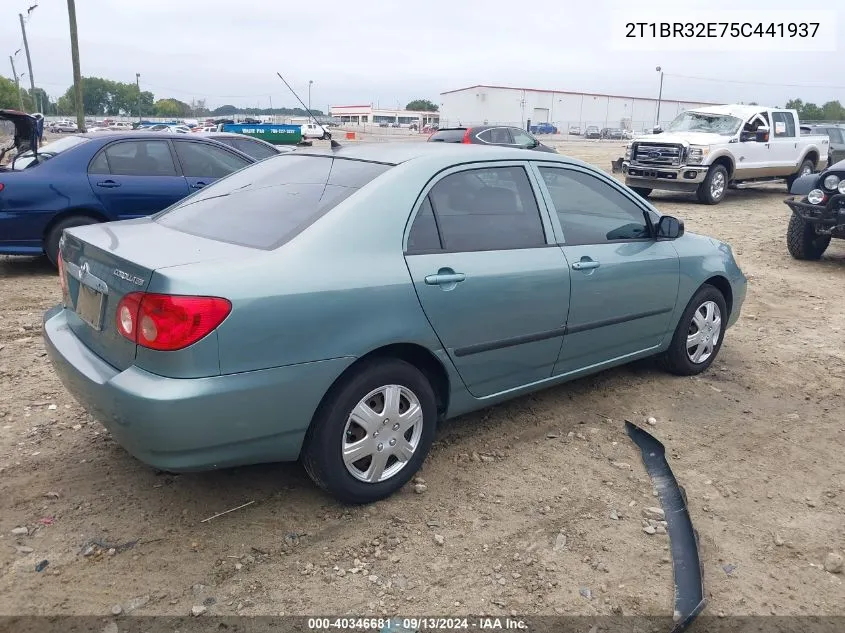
[102, 263]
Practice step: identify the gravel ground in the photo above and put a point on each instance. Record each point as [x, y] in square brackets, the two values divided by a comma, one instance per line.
[533, 507]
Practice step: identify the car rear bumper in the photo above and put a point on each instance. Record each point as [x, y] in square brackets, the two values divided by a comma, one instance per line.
[193, 424]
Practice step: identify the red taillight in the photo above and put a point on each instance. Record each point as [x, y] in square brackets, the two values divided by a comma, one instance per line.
[2, 186]
[169, 322]
[62, 277]
[466, 138]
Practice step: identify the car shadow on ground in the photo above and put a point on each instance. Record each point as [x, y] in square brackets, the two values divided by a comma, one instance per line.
[38, 266]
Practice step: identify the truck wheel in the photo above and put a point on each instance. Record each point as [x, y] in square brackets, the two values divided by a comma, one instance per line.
[712, 189]
[802, 240]
[805, 170]
[643, 192]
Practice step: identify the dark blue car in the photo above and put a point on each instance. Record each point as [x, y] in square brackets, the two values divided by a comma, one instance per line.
[101, 177]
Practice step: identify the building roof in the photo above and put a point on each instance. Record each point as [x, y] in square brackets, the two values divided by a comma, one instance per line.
[570, 92]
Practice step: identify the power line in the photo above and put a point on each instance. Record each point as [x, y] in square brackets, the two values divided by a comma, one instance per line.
[757, 83]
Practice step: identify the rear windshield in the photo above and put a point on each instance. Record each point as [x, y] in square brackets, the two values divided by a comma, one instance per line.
[48, 151]
[448, 136]
[267, 204]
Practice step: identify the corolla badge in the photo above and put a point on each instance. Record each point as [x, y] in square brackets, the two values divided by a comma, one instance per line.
[138, 281]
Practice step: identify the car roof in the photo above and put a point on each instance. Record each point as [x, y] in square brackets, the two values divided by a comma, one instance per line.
[396, 153]
[135, 134]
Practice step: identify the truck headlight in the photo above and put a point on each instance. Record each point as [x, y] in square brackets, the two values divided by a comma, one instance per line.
[831, 182]
[628, 151]
[816, 196]
[696, 155]
[842, 187]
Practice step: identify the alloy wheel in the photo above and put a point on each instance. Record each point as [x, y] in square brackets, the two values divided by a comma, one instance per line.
[705, 330]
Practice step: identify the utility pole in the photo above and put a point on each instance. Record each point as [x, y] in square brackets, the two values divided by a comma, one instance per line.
[17, 82]
[28, 58]
[659, 96]
[310, 83]
[77, 73]
[138, 84]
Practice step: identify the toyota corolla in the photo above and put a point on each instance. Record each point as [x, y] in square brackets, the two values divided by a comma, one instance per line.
[333, 306]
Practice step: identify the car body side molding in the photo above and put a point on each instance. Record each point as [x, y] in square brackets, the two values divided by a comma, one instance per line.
[683, 539]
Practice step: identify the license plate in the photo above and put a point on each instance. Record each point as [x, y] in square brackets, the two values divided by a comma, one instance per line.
[89, 306]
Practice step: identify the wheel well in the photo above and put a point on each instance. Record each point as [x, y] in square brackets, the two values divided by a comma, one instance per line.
[72, 213]
[419, 357]
[813, 156]
[727, 163]
[724, 286]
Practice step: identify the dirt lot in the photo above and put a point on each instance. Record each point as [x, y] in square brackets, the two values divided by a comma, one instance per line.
[757, 441]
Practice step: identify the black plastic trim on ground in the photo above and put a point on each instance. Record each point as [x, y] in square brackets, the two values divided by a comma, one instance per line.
[683, 540]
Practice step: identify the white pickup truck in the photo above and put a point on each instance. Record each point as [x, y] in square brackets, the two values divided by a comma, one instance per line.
[709, 149]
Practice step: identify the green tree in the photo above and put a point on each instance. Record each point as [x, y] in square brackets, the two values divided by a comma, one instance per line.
[9, 94]
[421, 105]
[224, 110]
[172, 108]
[833, 111]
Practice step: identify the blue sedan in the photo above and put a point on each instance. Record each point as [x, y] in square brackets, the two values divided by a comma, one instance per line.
[101, 177]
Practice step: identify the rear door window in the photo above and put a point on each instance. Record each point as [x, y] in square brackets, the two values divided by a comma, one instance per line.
[272, 201]
[500, 136]
[448, 136]
[140, 158]
[835, 135]
[202, 160]
[250, 147]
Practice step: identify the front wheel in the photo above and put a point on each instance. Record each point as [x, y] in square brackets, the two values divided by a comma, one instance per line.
[802, 241]
[372, 433]
[712, 189]
[699, 334]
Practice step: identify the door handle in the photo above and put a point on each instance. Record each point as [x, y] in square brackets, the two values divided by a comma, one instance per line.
[442, 279]
[585, 264]
[108, 184]
[198, 185]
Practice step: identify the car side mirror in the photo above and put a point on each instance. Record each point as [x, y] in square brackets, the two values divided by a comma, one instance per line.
[669, 228]
[762, 134]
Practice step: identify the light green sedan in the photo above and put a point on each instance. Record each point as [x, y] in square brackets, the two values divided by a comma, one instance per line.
[334, 306]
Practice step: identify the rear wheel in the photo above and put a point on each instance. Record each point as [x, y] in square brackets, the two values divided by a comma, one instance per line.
[372, 433]
[698, 337]
[54, 234]
[802, 240]
[643, 192]
[712, 189]
[805, 169]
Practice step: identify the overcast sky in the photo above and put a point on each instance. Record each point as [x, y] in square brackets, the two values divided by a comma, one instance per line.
[384, 52]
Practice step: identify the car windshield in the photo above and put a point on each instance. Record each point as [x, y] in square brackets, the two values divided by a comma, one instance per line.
[22, 161]
[723, 124]
[267, 204]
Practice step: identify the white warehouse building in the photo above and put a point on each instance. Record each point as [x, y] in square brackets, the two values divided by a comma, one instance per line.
[502, 105]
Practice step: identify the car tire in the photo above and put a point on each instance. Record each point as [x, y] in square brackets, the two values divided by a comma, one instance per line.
[643, 192]
[54, 234]
[806, 167]
[706, 315]
[712, 189]
[333, 427]
[803, 242]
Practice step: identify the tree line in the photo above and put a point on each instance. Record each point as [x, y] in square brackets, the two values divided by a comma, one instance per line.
[830, 111]
[104, 97]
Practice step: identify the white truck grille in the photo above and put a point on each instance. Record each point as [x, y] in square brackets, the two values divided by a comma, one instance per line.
[658, 154]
